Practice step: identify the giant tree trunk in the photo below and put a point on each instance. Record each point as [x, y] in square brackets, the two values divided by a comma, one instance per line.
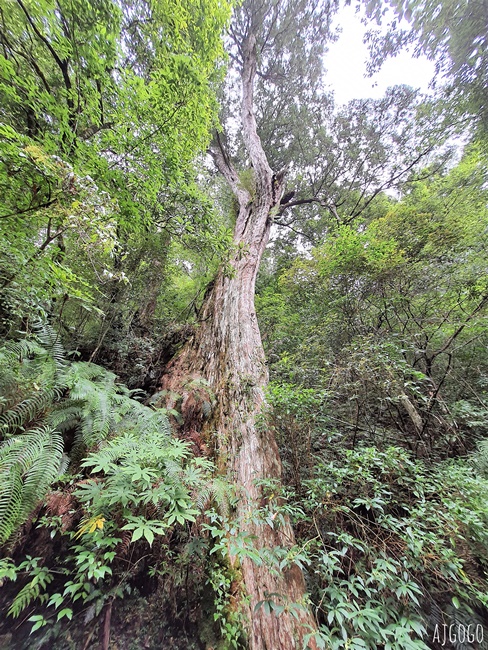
[226, 351]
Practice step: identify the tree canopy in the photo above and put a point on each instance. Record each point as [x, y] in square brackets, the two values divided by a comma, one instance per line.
[453, 34]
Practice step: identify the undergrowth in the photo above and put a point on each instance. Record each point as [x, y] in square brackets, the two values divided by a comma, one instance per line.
[96, 483]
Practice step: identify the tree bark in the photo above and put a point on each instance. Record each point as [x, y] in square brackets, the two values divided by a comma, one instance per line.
[226, 351]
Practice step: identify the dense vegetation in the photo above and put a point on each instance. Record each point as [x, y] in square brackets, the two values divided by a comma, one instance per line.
[120, 510]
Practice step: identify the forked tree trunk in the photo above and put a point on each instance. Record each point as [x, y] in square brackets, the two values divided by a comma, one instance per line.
[226, 351]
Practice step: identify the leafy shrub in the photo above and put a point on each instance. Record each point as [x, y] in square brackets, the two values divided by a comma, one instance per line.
[394, 546]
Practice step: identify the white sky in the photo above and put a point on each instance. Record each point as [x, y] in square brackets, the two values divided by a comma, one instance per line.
[346, 65]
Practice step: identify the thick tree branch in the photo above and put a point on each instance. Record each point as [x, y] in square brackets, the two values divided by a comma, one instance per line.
[61, 63]
[224, 164]
[252, 140]
[94, 129]
[314, 199]
[40, 206]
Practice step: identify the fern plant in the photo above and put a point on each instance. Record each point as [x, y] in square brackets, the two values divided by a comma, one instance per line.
[44, 397]
[95, 404]
[29, 463]
[147, 479]
[480, 458]
[32, 377]
[29, 409]
[144, 483]
[31, 451]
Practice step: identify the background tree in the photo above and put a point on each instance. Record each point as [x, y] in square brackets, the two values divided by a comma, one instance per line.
[125, 130]
[451, 33]
[386, 316]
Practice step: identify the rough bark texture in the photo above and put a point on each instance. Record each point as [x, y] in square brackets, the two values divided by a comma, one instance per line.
[226, 351]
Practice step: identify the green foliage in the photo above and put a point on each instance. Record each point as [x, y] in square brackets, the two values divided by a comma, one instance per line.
[480, 459]
[387, 314]
[88, 401]
[452, 33]
[224, 576]
[299, 418]
[112, 228]
[82, 574]
[29, 463]
[38, 224]
[95, 403]
[376, 343]
[143, 484]
[27, 410]
[360, 253]
[229, 620]
[391, 544]
[102, 120]
[33, 590]
[31, 449]
[142, 472]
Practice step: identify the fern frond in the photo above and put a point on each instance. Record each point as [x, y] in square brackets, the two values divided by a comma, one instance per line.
[23, 349]
[30, 363]
[10, 502]
[216, 491]
[29, 463]
[173, 469]
[224, 493]
[66, 415]
[92, 373]
[51, 342]
[109, 453]
[29, 409]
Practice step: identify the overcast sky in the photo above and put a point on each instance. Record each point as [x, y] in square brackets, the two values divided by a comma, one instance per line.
[346, 65]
